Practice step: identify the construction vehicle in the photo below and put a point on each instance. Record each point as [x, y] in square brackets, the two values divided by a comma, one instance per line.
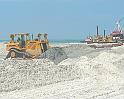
[23, 45]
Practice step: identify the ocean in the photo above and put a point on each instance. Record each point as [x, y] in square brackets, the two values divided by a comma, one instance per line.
[53, 41]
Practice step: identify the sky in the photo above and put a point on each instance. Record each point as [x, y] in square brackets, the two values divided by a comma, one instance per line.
[60, 19]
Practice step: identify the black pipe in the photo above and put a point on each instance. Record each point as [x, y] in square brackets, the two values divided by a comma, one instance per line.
[32, 37]
[97, 31]
[104, 33]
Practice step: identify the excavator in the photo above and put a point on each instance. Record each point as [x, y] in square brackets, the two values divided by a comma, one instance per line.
[23, 45]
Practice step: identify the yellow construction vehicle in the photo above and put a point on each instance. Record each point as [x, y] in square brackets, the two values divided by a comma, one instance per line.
[23, 45]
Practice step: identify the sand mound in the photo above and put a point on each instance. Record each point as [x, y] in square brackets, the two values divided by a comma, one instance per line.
[3, 52]
[19, 74]
[78, 50]
[55, 54]
[102, 68]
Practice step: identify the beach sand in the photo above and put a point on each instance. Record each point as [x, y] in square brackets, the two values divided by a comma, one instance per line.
[87, 73]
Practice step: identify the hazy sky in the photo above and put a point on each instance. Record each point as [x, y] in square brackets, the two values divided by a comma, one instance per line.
[61, 19]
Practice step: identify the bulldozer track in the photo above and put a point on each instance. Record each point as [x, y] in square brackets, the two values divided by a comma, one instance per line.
[20, 53]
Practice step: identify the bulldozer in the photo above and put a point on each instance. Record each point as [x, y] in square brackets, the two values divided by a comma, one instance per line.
[23, 45]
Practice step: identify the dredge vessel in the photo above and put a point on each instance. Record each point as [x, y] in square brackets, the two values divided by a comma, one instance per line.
[115, 38]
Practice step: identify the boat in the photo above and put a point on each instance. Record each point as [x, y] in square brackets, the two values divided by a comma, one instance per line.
[115, 38]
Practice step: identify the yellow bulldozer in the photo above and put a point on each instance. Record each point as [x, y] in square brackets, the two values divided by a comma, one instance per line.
[23, 45]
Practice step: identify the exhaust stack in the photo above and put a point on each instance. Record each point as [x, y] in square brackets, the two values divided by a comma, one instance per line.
[32, 36]
[104, 33]
[97, 31]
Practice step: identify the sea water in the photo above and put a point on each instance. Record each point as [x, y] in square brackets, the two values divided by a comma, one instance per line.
[52, 41]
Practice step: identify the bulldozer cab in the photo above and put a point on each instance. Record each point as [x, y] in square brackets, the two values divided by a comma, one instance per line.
[18, 40]
[44, 41]
[19, 36]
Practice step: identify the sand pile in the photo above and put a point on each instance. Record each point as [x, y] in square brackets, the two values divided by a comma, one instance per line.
[77, 50]
[2, 51]
[103, 68]
[55, 54]
[20, 74]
